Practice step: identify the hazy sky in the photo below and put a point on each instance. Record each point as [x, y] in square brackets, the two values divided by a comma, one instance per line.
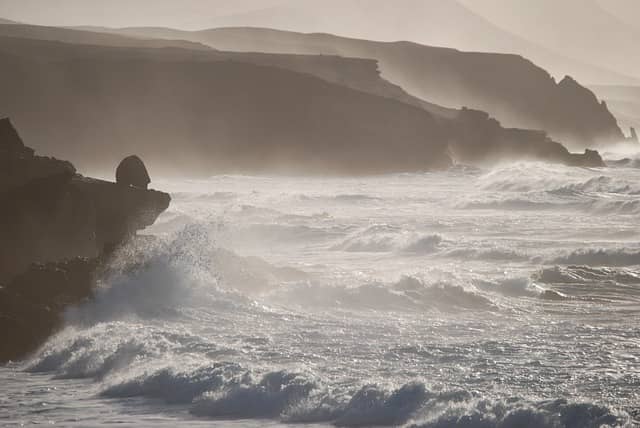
[186, 14]
[603, 33]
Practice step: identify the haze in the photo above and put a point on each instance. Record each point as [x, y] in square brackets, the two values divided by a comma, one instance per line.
[572, 37]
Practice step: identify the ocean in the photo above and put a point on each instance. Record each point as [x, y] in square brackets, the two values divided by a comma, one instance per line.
[473, 297]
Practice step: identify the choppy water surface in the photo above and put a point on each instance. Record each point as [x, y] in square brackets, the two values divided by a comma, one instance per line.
[474, 298]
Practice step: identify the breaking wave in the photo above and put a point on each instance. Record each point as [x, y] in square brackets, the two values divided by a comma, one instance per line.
[600, 257]
[228, 390]
[408, 293]
[488, 254]
[385, 238]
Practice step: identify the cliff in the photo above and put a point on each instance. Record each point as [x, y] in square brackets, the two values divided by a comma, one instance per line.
[57, 227]
[509, 87]
[190, 113]
[199, 113]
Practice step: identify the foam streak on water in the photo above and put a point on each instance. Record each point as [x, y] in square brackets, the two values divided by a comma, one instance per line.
[466, 298]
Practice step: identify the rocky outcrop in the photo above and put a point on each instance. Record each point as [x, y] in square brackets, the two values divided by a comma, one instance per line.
[478, 138]
[56, 227]
[50, 213]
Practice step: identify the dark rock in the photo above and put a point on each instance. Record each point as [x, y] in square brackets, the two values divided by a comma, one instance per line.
[51, 214]
[479, 138]
[132, 172]
[57, 228]
[590, 158]
[32, 304]
[634, 135]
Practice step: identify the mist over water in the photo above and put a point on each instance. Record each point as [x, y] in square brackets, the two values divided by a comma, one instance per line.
[507, 297]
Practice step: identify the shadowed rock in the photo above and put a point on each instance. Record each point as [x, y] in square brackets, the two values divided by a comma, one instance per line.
[132, 172]
[478, 138]
[50, 213]
[56, 228]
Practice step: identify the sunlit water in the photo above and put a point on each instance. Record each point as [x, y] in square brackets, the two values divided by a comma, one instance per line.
[475, 298]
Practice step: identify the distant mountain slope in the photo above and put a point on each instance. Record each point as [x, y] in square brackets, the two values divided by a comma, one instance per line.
[356, 73]
[459, 24]
[196, 113]
[6, 21]
[509, 87]
[91, 38]
[96, 104]
[447, 23]
[583, 29]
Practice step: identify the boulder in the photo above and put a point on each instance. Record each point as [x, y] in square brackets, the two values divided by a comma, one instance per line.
[132, 172]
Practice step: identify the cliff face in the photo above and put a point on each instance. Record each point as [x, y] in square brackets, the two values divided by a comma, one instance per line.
[198, 113]
[509, 87]
[189, 113]
[52, 215]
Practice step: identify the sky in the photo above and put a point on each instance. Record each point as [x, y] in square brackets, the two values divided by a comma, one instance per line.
[183, 14]
[600, 33]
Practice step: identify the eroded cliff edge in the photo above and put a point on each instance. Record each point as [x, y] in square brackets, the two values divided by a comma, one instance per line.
[57, 227]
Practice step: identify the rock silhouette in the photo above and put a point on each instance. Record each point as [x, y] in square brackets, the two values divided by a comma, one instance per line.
[55, 226]
[132, 172]
[634, 135]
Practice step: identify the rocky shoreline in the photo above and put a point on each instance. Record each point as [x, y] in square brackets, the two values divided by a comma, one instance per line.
[58, 230]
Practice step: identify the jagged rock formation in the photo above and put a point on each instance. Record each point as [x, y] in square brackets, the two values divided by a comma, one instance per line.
[52, 215]
[634, 135]
[508, 87]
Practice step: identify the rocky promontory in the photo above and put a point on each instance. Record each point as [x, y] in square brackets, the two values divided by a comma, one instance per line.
[478, 138]
[57, 228]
